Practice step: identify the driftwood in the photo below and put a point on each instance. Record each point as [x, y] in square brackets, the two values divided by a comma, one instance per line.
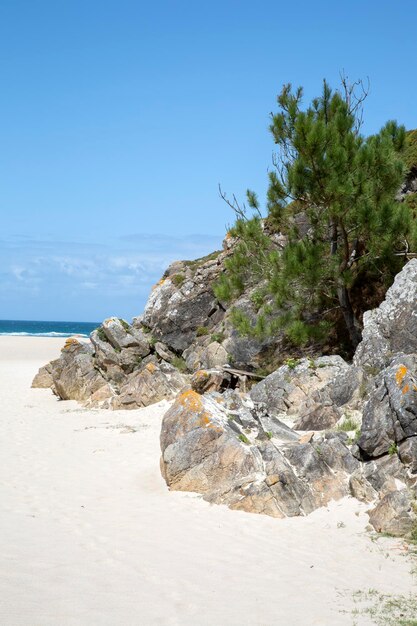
[231, 370]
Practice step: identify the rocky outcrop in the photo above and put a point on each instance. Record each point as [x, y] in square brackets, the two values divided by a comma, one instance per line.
[392, 327]
[208, 450]
[310, 391]
[183, 313]
[394, 514]
[390, 414]
[119, 369]
[151, 383]
[313, 430]
[74, 375]
[183, 329]
[282, 450]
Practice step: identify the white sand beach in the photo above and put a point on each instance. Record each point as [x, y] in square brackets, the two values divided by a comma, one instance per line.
[90, 534]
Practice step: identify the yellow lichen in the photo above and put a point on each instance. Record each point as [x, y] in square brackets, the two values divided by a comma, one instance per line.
[159, 283]
[201, 374]
[71, 341]
[151, 367]
[193, 402]
[400, 374]
[406, 388]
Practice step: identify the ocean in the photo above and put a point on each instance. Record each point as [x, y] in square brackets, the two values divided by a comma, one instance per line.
[46, 329]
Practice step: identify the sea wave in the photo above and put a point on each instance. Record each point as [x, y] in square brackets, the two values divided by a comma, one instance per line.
[50, 334]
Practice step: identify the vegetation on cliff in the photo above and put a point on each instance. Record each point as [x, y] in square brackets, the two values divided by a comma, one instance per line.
[333, 195]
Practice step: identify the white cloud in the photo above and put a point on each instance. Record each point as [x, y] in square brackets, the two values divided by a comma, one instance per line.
[71, 274]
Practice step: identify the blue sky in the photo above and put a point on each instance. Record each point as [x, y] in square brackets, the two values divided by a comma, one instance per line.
[118, 119]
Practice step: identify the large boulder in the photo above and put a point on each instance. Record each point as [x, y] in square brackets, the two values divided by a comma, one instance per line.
[74, 375]
[394, 514]
[121, 335]
[407, 452]
[44, 378]
[101, 373]
[390, 414]
[392, 327]
[207, 449]
[305, 391]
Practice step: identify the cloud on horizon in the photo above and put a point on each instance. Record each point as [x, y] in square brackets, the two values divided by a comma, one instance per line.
[83, 280]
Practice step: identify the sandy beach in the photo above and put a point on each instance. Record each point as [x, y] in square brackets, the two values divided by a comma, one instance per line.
[90, 534]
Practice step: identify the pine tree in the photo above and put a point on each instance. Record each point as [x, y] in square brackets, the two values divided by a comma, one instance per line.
[332, 193]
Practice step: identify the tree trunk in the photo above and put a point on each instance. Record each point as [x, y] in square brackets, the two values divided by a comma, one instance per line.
[352, 324]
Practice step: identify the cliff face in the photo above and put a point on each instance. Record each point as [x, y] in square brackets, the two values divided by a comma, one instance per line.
[183, 328]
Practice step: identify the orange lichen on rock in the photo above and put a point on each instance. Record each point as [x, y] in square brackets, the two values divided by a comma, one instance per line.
[151, 367]
[400, 374]
[71, 341]
[159, 283]
[193, 402]
[201, 374]
[405, 389]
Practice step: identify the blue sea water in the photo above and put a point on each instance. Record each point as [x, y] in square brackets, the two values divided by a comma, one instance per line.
[46, 329]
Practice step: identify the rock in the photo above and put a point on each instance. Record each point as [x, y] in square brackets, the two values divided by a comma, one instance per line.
[122, 335]
[361, 488]
[178, 307]
[105, 354]
[164, 352]
[347, 388]
[392, 327]
[277, 429]
[390, 414]
[200, 452]
[151, 383]
[74, 374]
[336, 454]
[393, 514]
[100, 397]
[205, 450]
[245, 351]
[407, 452]
[130, 359]
[307, 437]
[303, 390]
[368, 482]
[44, 378]
[209, 380]
[214, 356]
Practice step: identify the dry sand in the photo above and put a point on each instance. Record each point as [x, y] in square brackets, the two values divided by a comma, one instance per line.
[90, 535]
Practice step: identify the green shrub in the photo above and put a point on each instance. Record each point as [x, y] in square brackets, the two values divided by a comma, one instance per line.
[179, 363]
[201, 331]
[178, 279]
[257, 299]
[393, 449]
[101, 334]
[125, 325]
[292, 363]
[347, 425]
[244, 439]
[219, 337]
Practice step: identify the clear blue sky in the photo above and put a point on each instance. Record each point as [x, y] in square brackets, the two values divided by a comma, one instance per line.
[118, 119]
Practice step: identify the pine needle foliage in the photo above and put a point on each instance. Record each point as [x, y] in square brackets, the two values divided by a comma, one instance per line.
[342, 186]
